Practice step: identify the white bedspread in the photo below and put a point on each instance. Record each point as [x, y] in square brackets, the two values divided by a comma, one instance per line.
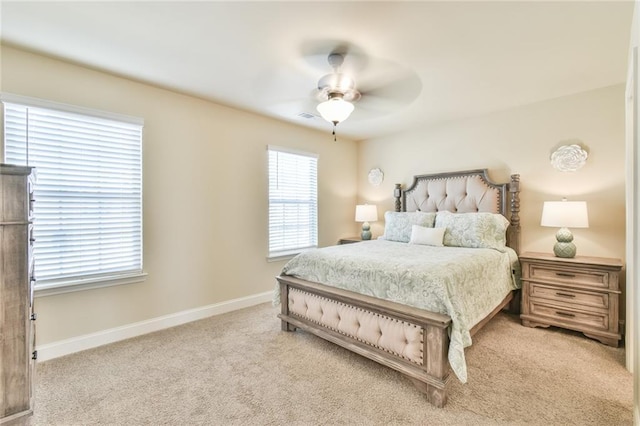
[463, 283]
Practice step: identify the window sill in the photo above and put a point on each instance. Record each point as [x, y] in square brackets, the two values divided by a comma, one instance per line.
[281, 257]
[60, 287]
[287, 255]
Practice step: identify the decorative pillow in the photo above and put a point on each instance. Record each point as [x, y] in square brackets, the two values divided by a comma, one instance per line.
[427, 236]
[397, 225]
[476, 230]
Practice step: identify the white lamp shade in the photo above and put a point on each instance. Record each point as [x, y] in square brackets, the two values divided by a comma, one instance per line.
[366, 213]
[335, 110]
[565, 214]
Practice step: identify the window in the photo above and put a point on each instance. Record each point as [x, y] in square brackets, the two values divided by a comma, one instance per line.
[88, 189]
[293, 201]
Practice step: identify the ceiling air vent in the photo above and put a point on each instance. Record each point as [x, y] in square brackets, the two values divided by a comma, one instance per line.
[307, 115]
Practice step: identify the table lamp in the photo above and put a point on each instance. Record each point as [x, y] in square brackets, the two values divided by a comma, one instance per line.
[366, 213]
[564, 215]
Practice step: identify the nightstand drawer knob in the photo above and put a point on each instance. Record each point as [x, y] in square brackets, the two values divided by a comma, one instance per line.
[565, 294]
[565, 314]
[564, 274]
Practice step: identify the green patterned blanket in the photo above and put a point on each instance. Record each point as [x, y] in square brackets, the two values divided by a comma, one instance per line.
[464, 283]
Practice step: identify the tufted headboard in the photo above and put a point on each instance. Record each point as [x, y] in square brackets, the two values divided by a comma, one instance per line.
[464, 192]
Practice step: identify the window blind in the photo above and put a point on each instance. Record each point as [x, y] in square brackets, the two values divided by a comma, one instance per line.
[293, 201]
[88, 190]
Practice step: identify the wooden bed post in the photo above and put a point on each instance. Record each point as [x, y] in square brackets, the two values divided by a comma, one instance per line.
[514, 229]
[436, 347]
[397, 193]
[513, 235]
[436, 363]
[284, 307]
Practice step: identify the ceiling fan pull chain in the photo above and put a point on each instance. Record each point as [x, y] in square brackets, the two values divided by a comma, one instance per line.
[334, 132]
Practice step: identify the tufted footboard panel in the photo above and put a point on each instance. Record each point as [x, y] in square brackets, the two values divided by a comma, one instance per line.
[392, 335]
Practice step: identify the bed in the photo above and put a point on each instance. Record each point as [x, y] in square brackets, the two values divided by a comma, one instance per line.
[385, 299]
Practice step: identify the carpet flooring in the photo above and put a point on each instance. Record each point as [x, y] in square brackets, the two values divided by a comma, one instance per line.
[240, 369]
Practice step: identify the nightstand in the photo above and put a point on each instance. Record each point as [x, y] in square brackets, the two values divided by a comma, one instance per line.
[349, 240]
[579, 293]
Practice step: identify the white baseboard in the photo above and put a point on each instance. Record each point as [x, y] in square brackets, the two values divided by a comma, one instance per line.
[89, 341]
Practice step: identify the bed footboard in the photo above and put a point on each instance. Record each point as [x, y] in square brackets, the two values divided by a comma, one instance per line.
[412, 341]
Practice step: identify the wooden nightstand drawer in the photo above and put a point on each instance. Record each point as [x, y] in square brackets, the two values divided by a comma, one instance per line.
[566, 317]
[569, 275]
[578, 293]
[596, 300]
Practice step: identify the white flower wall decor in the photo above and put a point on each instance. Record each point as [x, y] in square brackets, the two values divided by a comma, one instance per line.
[569, 158]
[375, 176]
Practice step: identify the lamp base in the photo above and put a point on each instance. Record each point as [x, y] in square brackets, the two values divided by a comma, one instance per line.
[564, 246]
[366, 233]
[566, 250]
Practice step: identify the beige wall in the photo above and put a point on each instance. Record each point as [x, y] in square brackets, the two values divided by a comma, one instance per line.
[520, 140]
[205, 195]
[205, 200]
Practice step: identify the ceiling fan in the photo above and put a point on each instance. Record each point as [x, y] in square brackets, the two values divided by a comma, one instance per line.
[383, 87]
[350, 83]
[337, 91]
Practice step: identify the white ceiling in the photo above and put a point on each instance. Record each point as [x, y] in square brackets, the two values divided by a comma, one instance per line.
[457, 59]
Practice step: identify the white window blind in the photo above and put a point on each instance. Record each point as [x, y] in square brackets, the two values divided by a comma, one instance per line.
[293, 201]
[88, 190]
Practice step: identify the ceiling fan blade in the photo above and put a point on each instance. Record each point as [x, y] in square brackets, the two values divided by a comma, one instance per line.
[378, 105]
[386, 91]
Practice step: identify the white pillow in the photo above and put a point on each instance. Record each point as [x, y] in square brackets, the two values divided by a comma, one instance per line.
[427, 236]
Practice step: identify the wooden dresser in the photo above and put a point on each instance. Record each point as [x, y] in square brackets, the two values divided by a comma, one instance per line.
[581, 293]
[17, 336]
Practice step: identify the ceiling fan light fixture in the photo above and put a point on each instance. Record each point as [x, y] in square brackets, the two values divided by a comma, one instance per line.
[336, 109]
